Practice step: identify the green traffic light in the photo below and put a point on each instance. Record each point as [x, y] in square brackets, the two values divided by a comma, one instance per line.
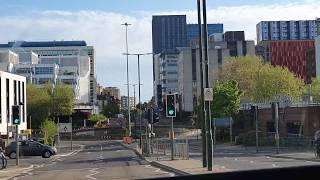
[171, 112]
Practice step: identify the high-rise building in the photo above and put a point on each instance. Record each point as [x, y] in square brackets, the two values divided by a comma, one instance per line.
[287, 30]
[168, 32]
[69, 62]
[193, 30]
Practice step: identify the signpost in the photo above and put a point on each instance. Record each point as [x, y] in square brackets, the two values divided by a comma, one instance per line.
[66, 128]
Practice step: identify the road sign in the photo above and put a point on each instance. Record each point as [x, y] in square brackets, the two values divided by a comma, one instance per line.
[208, 94]
[27, 131]
[12, 128]
[65, 127]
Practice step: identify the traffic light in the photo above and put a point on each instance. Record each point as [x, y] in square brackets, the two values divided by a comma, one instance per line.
[155, 117]
[171, 105]
[16, 115]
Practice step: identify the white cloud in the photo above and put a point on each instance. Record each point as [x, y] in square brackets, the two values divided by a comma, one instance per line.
[103, 30]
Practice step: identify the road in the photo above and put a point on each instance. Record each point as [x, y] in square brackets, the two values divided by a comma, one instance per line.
[97, 160]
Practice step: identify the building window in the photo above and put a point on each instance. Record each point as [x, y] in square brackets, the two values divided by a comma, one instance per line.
[194, 65]
[8, 100]
[15, 92]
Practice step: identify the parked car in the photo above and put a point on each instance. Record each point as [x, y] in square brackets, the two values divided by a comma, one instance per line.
[30, 148]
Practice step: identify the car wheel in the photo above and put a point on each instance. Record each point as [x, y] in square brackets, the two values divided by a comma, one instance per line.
[46, 154]
[12, 155]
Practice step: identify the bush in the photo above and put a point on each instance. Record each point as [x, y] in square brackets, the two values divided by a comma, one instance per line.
[49, 130]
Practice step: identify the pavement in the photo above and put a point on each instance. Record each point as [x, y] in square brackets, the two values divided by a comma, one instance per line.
[234, 158]
[95, 160]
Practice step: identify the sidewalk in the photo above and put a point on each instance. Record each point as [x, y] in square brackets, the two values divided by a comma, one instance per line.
[306, 156]
[13, 171]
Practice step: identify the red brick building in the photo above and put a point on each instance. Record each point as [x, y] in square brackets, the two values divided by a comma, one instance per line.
[297, 55]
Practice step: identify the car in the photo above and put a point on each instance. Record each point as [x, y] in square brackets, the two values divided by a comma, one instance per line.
[30, 148]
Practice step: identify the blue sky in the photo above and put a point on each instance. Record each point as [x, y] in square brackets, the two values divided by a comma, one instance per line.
[98, 22]
[13, 7]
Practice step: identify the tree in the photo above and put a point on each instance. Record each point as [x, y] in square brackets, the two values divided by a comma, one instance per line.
[49, 129]
[38, 104]
[63, 100]
[226, 99]
[260, 81]
[97, 117]
[111, 109]
[313, 90]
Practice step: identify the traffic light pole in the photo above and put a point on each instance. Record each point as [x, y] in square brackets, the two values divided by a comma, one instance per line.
[17, 145]
[257, 126]
[172, 140]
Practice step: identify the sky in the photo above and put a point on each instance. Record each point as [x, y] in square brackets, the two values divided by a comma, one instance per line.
[98, 22]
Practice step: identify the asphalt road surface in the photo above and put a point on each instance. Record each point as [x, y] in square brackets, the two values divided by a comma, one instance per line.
[97, 160]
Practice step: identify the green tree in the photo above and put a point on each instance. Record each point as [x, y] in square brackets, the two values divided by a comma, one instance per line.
[226, 99]
[260, 81]
[63, 99]
[38, 104]
[111, 109]
[49, 130]
[313, 90]
[97, 117]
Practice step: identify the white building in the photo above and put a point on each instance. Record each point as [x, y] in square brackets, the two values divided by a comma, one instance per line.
[13, 92]
[7, 60]
[166, 74]
[74, 61]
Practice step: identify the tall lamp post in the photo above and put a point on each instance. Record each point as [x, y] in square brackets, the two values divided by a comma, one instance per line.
[128, 88]
[138, 56]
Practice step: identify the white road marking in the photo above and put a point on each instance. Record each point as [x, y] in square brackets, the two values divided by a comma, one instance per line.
[236, 159]
[93, 172]
[120, 150]
[268, 157]
[223, 167]
[251, 161]
[274, 165]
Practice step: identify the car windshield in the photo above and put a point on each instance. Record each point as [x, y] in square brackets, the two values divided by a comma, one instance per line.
[127, 89]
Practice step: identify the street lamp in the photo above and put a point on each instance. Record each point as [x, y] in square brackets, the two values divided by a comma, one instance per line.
[138, 56]
[128, 88]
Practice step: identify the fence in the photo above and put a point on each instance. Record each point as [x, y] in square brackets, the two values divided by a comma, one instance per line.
[160, 148]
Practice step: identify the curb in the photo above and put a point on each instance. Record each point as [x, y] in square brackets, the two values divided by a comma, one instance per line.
[156, 164]
[295, 158]
[170, 169]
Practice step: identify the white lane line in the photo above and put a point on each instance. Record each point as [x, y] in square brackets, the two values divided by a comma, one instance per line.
[236, 159]
[120, 150]
[93, 172]
[274, 165]
[251, 161]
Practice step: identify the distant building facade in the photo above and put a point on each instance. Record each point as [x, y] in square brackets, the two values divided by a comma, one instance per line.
[287, 30]
[189, 82]
[111, 91]
[124, 103]
[68, 62]
[297, 55]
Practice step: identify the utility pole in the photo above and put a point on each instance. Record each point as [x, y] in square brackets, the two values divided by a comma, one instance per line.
[139, 93]
[206, 59]
[202, 112]
[128, 88]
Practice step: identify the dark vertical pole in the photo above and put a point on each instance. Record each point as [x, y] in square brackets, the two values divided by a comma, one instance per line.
[257, 127]
[139, 101]
[17, 145]
[172, 140]
[206, 59]
[277, 125]
[202, 119]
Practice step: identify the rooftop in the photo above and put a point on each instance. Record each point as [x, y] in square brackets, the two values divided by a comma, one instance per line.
[42, 44]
